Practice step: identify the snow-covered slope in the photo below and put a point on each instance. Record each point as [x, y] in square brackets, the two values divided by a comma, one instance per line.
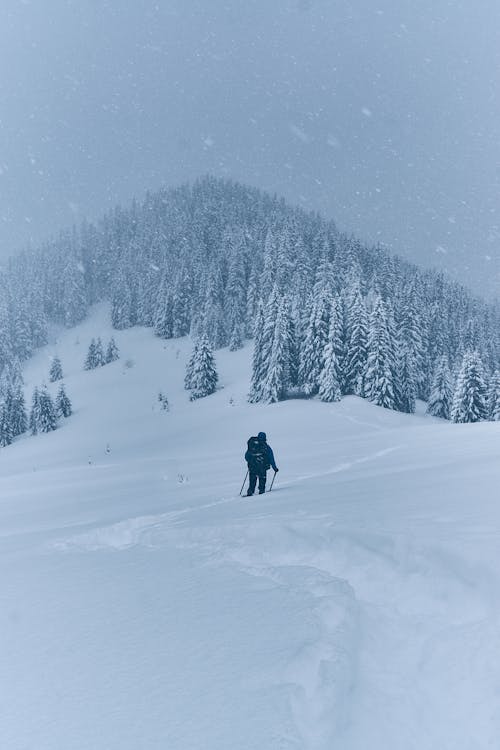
[144, 605]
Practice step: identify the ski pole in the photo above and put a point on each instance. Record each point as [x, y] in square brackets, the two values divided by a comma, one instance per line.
[270, 488]
[243, 482]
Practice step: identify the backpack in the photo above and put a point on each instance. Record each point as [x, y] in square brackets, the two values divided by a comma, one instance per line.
[258, 455]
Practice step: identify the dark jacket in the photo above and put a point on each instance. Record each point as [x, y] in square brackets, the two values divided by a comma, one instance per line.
[268, 453]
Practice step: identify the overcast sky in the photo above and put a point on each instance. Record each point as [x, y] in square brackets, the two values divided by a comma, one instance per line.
[382, 114]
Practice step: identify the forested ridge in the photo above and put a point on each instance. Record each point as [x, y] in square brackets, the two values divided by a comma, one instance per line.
[225, 262]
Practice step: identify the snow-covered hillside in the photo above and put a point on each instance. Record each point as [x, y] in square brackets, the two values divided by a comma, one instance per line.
[144, 605]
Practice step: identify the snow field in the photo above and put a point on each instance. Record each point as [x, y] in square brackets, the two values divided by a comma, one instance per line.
[145, 605]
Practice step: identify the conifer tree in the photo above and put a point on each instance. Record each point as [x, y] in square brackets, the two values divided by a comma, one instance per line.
[63, 404]
[121, 304]
[182, 292]
[235, 292]
[202, 376]
[17, 411]
[329, 380]
[440, 399]
[55, 372]
[252, 300]
[73, 293]
[91, 359]
[47, 413]
[214, 329]
[237, 336]
[380, 366]
[357, 344]
[470, 399]
[406, 383]
[277, 378]
[99, 353]
[112, 351]
[34, 420]
[11, 376]
[22, 340]
[5, 425]
[494, 397]
[411, 331]
[259, 362]
[313, 348]
[162, 315]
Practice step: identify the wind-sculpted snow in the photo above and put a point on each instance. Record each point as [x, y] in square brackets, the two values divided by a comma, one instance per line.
[146, 605]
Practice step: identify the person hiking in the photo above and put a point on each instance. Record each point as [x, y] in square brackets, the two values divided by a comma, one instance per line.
[259, 457]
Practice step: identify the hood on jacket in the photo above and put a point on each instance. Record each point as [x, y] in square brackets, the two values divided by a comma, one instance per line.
[262, 436]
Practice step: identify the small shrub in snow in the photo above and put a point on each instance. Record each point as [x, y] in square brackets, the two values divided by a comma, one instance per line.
[163, 401]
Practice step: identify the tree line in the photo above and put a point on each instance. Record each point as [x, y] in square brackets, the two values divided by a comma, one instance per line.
[224, 262]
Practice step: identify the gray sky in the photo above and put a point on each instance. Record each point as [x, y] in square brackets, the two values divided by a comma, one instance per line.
[382, 114]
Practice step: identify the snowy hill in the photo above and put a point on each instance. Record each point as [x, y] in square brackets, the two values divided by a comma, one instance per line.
[145, 605]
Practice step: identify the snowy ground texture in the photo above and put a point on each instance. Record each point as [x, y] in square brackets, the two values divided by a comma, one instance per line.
[144, 605]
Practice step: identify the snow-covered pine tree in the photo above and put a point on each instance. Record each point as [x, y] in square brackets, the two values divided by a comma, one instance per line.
[470, 399]
[63, 404]
[313, 347]
[268, 275]
[162, 315]
[406, 380]
[74, 301]
[146, 295]
[259, 360]
[494, 397]
[12, 376]
[263, 343]
[252, 300]
[203, 375]
[235, 292]
[21, 337]
[55, 372]
[201, 230]
[112, 352]
[357, 343]
[121, 303]
[440, 399]
[17, 412]
[380, 365]
[99, 353]
[277, 379]
[47, 419]
[6, 346]
[91, 359]
[34, 420]
[215, 328]
[182, 296]
[5, 425]
[331, 375]
[411, 332]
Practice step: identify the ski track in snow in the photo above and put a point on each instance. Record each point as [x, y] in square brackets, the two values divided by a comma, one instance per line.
[350, 580]
[381, 546]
